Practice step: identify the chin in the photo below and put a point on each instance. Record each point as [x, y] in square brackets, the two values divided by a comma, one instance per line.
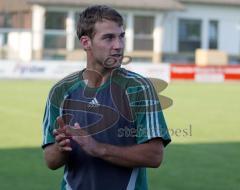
[112, 63]
[112, 66]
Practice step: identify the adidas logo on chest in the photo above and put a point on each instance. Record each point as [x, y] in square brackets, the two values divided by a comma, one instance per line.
[94, 103]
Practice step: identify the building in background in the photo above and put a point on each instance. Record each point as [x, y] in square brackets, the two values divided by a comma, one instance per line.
[156, 30]
[15, 30]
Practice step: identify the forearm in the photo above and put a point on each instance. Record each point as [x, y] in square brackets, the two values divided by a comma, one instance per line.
[54, 157]
[142, 155]
[148, 154]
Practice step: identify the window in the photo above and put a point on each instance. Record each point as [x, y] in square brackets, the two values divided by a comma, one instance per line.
[77, 44]
[55, 33]
[213, 34]
[189, 35]
[125, 17]
[3, 39]
[143, 30]
[5, 20]
[54, 41]
[15, 20]
[55, 20]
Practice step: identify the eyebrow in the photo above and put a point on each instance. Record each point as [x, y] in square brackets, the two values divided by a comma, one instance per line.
[112, 34]
[122, 34]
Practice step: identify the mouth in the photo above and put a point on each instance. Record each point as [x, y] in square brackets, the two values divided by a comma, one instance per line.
[113, 60]
[117, 56]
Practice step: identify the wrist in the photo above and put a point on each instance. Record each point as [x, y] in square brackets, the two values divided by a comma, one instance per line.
[101, 150]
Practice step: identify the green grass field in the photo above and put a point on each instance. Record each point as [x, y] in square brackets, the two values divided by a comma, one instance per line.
[204, 122]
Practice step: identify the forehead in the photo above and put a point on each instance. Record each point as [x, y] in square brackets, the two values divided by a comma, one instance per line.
[108, 27]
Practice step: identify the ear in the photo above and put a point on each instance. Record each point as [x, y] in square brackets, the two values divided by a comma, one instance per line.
[86, 42]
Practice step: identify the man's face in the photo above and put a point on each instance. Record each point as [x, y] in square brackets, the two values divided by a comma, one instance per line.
[107, 44]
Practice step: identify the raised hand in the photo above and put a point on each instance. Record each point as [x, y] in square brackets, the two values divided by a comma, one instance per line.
[86, 141]
[61, 137]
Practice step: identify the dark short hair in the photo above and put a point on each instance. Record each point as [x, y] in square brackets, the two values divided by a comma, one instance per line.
[93, 14]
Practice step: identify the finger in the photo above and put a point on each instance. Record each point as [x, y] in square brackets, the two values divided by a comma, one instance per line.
[60, 122]
[55, 132]
[76, 130]
[64, 143]
[73, 130]
[58, 131]
[66, 148]
[60, 138]
[76, 125]
[61, 130]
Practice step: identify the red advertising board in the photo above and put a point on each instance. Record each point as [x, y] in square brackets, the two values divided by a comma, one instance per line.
[185, 72]
[204, 73]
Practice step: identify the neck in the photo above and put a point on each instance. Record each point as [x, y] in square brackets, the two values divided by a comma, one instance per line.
[96, 74]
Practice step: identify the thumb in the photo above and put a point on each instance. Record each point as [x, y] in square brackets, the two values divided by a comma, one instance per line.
[60, 122]
[76, 126]
[73, 130]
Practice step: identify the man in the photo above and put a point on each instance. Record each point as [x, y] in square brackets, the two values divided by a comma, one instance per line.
[104, 123]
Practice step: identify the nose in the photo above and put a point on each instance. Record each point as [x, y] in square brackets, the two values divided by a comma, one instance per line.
[118, 43]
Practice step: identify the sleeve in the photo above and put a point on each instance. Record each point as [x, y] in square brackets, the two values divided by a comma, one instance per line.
[49, 123]
[149, 118]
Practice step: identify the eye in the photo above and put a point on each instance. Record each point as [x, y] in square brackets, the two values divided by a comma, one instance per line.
[108, 37]
[122, 36]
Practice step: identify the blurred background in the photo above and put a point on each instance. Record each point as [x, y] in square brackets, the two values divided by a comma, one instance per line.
[194, 45]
